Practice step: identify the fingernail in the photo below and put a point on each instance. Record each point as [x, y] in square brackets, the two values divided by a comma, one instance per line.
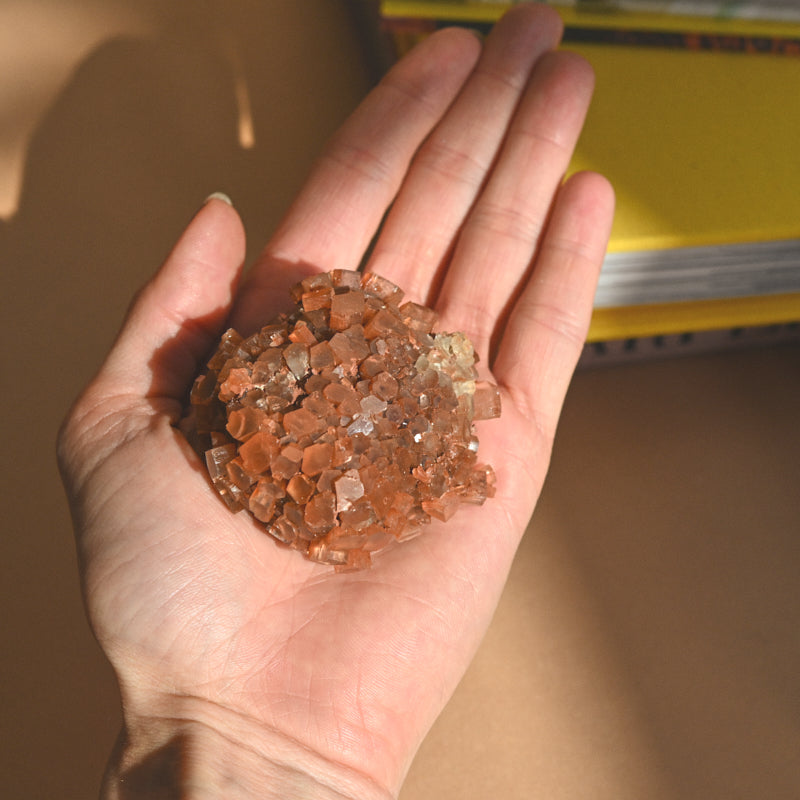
[219, 196]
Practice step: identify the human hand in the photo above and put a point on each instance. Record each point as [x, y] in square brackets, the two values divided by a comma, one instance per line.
[245, 669]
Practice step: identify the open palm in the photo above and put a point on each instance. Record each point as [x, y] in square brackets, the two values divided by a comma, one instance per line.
[202, 615]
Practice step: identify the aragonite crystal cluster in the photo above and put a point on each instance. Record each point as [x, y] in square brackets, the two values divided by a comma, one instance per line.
[346, 425]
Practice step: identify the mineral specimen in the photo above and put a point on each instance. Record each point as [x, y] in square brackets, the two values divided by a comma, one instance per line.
[346, 425]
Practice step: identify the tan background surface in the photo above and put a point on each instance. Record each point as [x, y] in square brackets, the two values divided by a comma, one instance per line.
[648, 641]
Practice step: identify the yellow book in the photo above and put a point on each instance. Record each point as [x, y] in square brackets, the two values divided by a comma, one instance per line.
[703, 149]
[754, 18]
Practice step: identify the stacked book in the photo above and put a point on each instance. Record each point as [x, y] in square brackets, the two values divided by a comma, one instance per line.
[696, 121]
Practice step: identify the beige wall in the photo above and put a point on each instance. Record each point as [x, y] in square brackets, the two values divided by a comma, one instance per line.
[647, 644]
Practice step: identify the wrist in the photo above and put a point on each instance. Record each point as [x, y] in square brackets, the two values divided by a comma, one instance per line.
[199, 751]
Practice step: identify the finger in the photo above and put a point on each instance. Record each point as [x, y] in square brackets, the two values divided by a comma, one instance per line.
[336, 214]
[547, 326]
[178, 315]
[451, 167]
[501, 235]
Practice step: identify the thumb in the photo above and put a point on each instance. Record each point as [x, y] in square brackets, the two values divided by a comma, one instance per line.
[178, 315]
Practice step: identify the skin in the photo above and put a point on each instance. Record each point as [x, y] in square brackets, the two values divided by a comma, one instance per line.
[244, 669]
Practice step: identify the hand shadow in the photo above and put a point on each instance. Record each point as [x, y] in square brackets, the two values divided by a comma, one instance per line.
[143, 131]
[119, 163]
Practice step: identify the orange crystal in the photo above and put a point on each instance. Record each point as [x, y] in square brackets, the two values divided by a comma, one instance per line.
[346, 425]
